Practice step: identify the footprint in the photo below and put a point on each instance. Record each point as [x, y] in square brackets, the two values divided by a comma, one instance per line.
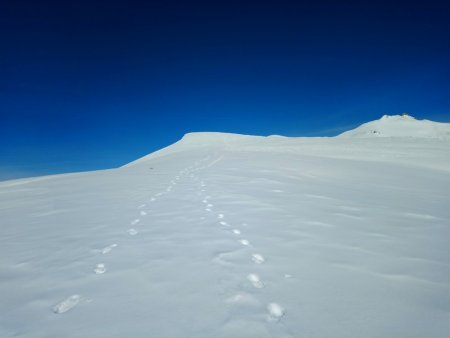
[225, 258]
[142, 206]
[143, 213]
[152, 199]
[287, 276]
[67, 304]
[210, 205]
[258, 259]
[100, 269]
[108, 248]
[275, 312]
[243, 299]
[208, 209]
[220, 216]
[255, 280]
[224, 223]
[236, 231]
[235, 299]
[132, 232]
[205, 201]
[136, 221]
[158, 194]
[244, 242]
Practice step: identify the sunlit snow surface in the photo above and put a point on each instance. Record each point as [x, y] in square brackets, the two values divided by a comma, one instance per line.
[233, 236]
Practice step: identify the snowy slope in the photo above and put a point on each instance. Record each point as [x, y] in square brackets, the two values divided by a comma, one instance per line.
[400, 126]
[225, 235]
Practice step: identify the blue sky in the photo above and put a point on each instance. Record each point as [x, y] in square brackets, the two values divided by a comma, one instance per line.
[95, 84]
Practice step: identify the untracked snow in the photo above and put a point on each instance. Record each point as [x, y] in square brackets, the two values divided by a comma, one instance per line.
[223, 235]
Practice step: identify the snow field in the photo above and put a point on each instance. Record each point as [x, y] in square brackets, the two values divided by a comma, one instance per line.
[240, 237]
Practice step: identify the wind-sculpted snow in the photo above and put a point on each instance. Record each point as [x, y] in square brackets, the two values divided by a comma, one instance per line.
[223, 236]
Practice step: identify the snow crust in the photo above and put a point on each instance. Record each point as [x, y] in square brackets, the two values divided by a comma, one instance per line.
[223, 235]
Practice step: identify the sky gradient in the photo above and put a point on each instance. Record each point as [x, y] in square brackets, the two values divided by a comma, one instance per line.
[89, 85]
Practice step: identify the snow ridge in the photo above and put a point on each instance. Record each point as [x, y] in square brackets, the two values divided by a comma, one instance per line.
[396, 126]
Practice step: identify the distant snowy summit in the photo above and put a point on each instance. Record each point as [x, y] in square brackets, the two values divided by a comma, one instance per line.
[400, 126]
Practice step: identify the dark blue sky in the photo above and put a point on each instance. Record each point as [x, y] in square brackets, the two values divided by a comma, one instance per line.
[95, 84]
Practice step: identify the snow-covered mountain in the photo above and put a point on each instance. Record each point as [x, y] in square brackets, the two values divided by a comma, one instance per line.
[223, 235]
[400, 126]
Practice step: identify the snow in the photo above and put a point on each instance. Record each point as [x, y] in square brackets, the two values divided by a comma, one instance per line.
[275, 311]
[67, 304]
[400, 126]
[236, 236]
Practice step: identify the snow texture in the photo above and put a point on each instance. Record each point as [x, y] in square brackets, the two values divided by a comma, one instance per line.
[223, 235]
